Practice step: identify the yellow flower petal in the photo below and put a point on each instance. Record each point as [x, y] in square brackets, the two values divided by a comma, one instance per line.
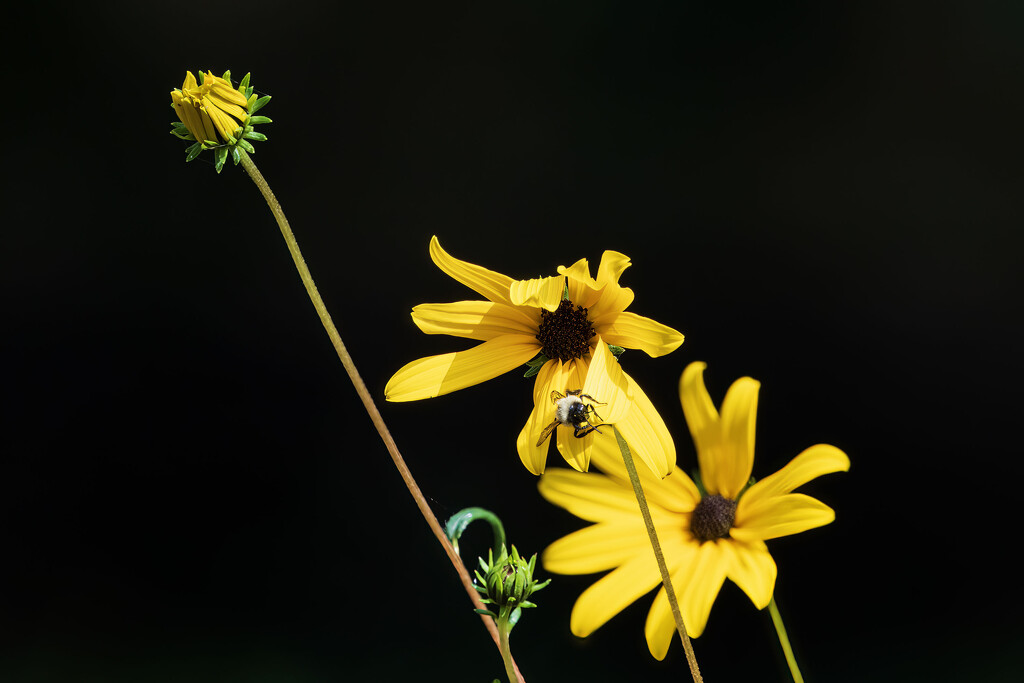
[190, 82]
[676, 492]
[811, 463]
[437, 375]
[225, 125]
[736, 460]
[535, 455]
[188, 115]
[225, 92]
[612, 265]
[646, 433]
[633, 331]
[233, 110]
[597, 548]
[590, 496]
[613, 593]
[660, 627]
[583, 289]
[607, 384]
[575, 450]
[492, 286]
[752, 568]
[779, 516]
[545, 292]
[480, 320]
[701, 418]
[697, 585]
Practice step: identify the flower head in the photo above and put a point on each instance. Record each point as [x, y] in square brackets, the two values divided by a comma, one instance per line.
[562, 327]
[215, 115]
[707, 536]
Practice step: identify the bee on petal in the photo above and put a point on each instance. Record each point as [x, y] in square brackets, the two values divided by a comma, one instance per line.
[571, 411]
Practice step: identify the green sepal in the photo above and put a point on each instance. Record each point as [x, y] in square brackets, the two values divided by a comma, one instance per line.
[259, 104]
[486, 611]
[245, 81]
[193, 151]
[616, 350]
[565, 290]
[253, 135]
[695, 475]
[257, 120]
[236, 156]
[201, 76]
[182, 136]
[746, 486]
[227, 76]
[220, 155]
[536, 364]
[246, 146]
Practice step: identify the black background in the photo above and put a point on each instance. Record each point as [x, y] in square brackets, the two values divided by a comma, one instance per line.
[824, 196]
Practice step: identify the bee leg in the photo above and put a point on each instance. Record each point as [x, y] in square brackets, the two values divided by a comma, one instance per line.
[580, 432]
[592, 399]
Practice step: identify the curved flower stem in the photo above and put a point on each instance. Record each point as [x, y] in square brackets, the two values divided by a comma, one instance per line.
[364, 394]
[506, 652]
[784, 641]
[666, 580]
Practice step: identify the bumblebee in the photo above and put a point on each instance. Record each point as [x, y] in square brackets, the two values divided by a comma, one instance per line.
[571, 411]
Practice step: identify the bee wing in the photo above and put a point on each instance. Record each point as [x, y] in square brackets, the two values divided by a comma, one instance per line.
[547, 432]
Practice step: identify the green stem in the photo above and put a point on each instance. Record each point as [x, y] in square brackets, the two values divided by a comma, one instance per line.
[363, 392]
[666, 580]
[506, 652]
[780, 629]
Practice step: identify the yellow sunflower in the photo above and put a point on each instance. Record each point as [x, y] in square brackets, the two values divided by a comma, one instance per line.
[706, 537]
[523, 318]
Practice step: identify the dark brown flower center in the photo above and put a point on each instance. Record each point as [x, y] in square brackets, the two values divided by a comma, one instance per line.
[713, 517]
[565, 333]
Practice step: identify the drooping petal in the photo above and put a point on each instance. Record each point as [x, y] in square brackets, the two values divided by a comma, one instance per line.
[739, 419]
[443, 374]
[676, 492]
[701, 580]
[660, 628]
[779, 516]
[480, 320]
[589, 496]
[613, 593]
[752, 568]
[646, 433]
[811, 463]
[701, 418]
[575, 449]
[545, 292]
[597, 548]
[533, 454]
[607, 384]
[492, 286]
[632, 331]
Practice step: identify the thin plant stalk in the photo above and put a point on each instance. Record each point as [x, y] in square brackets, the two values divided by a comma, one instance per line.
[506, 653]
[773, 609]
[368, 403]
[641, 499]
